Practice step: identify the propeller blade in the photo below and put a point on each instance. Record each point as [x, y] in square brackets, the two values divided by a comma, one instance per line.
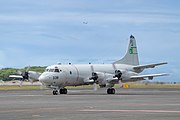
[19, 72]
[28, 68]
[114, 67]
[94, 77]
[92, 69]
[31, 81]
[42, 86]
[25, 75]
[95, 87]
[21, 82]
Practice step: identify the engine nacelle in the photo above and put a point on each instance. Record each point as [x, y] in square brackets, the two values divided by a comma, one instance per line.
[126, 76]
[33, 76]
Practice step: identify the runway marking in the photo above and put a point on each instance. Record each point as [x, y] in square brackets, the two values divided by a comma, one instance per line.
[16, 95]
[91, 110]
[141, 111]
[31, 109]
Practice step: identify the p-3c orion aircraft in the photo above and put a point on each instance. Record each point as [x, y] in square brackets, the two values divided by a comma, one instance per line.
[106, 75]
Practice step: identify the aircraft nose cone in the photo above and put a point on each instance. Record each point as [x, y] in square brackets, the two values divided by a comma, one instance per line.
[43, 78]
[46, 79]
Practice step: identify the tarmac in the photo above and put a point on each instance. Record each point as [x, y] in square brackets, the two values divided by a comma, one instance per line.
[86, 104]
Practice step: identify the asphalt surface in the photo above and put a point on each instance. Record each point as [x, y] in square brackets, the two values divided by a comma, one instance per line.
[78, 104]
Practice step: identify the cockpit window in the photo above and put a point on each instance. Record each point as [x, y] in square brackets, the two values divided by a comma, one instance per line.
[56, 70]
[51, 70]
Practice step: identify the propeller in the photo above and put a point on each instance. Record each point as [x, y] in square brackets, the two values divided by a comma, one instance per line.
[24, 74]
[94, 77]
[118, 73]
[42, 86]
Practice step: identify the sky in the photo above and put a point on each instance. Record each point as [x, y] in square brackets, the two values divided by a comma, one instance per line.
[45, 32]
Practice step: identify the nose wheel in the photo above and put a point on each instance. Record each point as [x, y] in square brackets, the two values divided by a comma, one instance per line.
[55, 92]
[110, 91]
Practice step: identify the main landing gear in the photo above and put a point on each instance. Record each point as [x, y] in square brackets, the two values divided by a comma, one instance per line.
[61, 91]
[110, 91]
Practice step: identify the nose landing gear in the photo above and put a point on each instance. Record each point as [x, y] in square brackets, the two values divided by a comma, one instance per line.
[55, 92]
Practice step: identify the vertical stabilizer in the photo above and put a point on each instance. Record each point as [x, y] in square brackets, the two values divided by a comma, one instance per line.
[131, 56]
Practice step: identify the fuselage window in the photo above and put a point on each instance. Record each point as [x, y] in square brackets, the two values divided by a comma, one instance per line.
[70, 72]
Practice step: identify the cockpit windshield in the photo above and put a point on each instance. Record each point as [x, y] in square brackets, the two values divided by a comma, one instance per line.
[56, 70]
[52, 70]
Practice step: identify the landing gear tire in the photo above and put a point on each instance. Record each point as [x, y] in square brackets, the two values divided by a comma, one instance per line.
[55, 92]
[110, 91]
[63, 91]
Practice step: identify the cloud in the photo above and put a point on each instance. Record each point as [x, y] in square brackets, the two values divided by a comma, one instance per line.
[95, 17]
[48, 31]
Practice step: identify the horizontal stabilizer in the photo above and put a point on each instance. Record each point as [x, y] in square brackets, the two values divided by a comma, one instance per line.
[142, 67]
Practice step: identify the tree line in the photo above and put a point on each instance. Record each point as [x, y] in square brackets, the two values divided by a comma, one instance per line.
[5, 72]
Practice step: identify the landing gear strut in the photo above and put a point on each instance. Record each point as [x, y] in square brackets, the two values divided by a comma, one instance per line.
[110, 91]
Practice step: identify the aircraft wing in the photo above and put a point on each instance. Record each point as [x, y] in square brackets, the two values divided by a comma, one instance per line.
[150, 76]
[112, 80]
[109, 78]
[87, 80]
[142, 67]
